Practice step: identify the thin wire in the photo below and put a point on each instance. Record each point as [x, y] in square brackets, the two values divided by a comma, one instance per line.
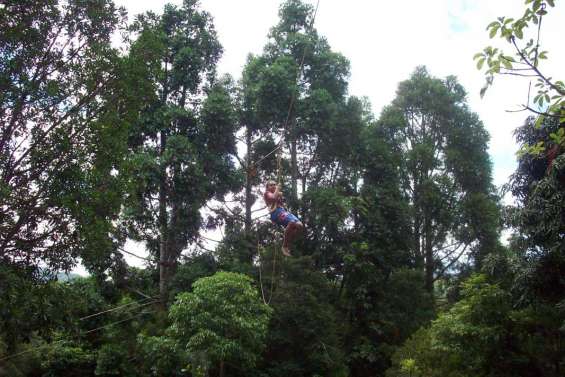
[293, 96]
[64, 340]
[210, 239]
[31, 350]
[117, 322]
[134, 255]
[118, 307]
[279, 157]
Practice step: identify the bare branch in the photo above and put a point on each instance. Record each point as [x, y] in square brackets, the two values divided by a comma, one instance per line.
[517, 74]
[535, 69]
[528, 108]
[440, 274]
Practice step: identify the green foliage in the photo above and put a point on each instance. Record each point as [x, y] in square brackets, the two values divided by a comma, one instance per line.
[384, 306]
[482, 335]
[549, 101]
[382, 201]
[221, 321]
[159, 355]
[67, 358]
[304, 331]
[112, 361]
[192, 269]
[445, 172]
[182, 142]
[538, 186]
[62, 135]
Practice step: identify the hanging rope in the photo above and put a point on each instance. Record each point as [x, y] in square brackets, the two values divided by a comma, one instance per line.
[292, 100]
[278, 150]
[267, 302]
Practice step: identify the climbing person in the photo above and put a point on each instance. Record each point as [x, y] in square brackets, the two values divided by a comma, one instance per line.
[279, 215]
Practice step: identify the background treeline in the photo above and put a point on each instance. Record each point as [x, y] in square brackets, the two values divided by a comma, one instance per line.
[400, 271]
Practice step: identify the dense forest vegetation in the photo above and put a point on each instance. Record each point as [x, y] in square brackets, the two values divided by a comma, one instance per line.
[400, 270]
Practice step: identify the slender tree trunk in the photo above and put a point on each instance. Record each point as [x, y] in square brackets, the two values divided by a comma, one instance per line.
[429, 256]
[163, 250]
[293, 171]
[163, 221]
[222, 368]
[418, 255]
[249, 199]
[248, 184]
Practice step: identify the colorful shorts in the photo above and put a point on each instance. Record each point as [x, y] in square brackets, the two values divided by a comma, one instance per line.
[281, 217]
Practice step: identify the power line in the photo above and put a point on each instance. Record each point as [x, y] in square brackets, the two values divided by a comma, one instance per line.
[293, 96]
[119, 307]
[134, 255]
[117, 322]
[85, 333]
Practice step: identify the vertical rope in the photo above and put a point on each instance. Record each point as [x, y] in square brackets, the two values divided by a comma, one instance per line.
[267, 302]
[293, 96]
[278, 149]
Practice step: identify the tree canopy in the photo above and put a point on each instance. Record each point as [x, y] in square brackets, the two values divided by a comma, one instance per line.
[400, 270]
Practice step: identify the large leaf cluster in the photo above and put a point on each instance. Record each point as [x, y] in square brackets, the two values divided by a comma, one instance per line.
[60, 137]
[222, 319]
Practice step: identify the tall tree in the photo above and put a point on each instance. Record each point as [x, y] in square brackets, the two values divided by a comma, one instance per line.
[221, 324]
[61, 134]
[446, 174]
[301, 85]
[538, 217]
[182, 144]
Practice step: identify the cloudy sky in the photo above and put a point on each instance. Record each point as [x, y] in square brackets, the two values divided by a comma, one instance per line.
[386, 40]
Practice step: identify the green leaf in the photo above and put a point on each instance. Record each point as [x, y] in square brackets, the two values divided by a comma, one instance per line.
[477, 55]
[506, 64]
[538, 123]
[480, 63]
[492, 24]
[518, 32]
[493, 31]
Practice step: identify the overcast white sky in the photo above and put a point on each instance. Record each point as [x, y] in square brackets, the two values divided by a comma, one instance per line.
[386, 40]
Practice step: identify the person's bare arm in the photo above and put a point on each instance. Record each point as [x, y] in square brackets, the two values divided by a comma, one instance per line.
[278, 193]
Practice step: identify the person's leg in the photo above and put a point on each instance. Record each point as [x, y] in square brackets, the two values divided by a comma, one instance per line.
[286, 238]
[290, 233]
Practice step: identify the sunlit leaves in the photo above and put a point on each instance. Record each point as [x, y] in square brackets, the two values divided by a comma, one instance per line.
[223, 319]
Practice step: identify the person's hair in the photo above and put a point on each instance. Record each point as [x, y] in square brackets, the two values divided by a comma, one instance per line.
[269, 182]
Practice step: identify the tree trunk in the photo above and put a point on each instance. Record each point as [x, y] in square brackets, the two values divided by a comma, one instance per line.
[249, 199]
[293, 171]
[418, 254]
[163, 250]
[429, 256]
[222, 368]
[248, 184]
